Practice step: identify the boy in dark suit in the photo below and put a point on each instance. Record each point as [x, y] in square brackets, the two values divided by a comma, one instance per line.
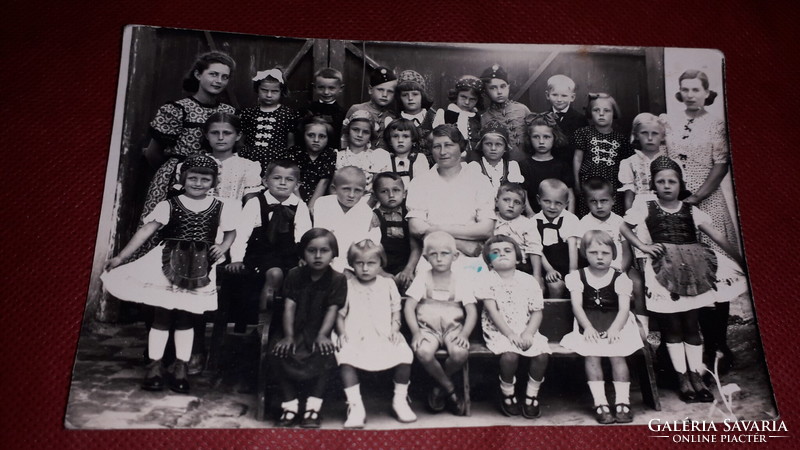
[561, 93]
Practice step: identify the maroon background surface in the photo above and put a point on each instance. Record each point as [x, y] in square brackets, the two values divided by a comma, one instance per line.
[59, 76]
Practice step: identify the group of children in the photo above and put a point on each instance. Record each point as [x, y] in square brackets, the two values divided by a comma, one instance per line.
[329, 231]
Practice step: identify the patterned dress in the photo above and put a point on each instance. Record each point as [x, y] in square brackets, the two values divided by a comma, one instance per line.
[177, 126]
[266, 134]
[696, 145]
[602, 155]
[311, 171]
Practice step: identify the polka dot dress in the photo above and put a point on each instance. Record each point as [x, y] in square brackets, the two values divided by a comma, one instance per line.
[266, 134]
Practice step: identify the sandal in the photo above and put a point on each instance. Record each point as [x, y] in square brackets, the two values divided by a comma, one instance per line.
[603, 415]
[622, 411]
[287, 419]
[311, 419]
[509, 405]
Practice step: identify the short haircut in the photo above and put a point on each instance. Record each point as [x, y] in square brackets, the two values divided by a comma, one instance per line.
[554, 184]
[449, 131]
[385, 176]
[597, 184]
[597, 237]
[314, 233]
[643, 119]
[365, 247]
[515, 188]
[282, 163]
[316, 120]
[602, 95]
[439, 237]
[487, 247]
[329, 73]
[560, 80]
[400, 125]
[348, 173]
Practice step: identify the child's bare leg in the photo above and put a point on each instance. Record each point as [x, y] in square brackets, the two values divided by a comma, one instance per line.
[508, 367]
[426, 354]
[538, 366]
[273, 280]
[619, 368]
[594, 372]
[456, 358]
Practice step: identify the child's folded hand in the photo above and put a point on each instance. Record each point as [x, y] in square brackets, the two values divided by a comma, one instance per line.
[235, 268]
[517, 340]
[655, 250]
[591, 335]
[552, 276]
[112, 263]
[461, 341]
[404, 278]
[527, 341]
[613, 334]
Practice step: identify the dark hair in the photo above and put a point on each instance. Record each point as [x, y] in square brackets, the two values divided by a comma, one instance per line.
[500, 238]
[449, 131]
[597, 237]
[452, 95]
[366, 246]
[602, 95]
[406, 86]
[282, 163]
[692, 74]
[314, 233]
[597, 184]
[515, 188]
[284, 89]
[310, 119]
[221, 117]
[684, 193]
[385, 175]
[400, 125]
[201, 64]
[329, 73]
[200, 170]
[546, 120]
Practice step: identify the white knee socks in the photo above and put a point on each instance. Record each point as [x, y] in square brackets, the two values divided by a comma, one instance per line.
[677, 355]
[598, 390]
[694, 355]
[622, 392]
[353, 394]
[507, 388]
[156, 343]
[532, 390]
[183, 344]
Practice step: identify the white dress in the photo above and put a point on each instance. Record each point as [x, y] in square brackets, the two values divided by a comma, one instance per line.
[517, 299]
[629, 338]
[143, 281]
[368, 327]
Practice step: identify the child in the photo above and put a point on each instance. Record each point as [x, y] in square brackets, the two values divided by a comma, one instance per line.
[647, 138]
[440, 312]
[508, 112]
[512, 313]
[402, 140]
[239, 178]
[402, 249]
[313, 294]
[368, 327]
[360, 128]
[415, 104]
[177, 128]
[509, 205]
[316, 159]
[328, 85]
[560, 94]
[545, 135]
[599, 149]
[177, 277]
[466, 102]
[269, 127]
[270, 227]
[382, 84]
[682, 275]
[344, 214]
[600, 199]
[559, 230]
[604, 325]
[493, 156]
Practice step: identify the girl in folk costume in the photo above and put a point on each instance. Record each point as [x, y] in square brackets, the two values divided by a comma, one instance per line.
[464, 110]
[493, 158]
[177, 277]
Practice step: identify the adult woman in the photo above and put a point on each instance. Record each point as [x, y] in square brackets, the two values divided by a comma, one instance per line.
[698, 142]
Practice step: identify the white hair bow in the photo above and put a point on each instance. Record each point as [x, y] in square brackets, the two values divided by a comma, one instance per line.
[274, 73]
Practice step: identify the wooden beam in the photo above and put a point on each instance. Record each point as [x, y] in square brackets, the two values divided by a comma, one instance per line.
[656, 93]
[320, 54]
[536, 74]
[357, 51]
[296, 60]
[336, 54]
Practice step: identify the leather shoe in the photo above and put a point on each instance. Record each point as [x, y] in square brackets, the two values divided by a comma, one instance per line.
[154, 380]
[179, 381]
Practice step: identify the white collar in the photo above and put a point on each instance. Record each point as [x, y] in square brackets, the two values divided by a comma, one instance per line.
[452, 107]
[290, 201]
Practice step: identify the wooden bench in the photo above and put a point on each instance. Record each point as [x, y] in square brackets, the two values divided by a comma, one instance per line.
[557, 322]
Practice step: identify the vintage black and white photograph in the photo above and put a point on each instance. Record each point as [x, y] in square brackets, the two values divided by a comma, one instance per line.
[319, 233]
